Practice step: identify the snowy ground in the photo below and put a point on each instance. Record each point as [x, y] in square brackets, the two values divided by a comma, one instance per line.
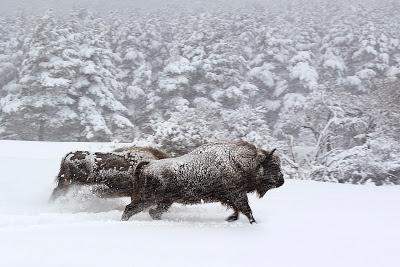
[303, 223]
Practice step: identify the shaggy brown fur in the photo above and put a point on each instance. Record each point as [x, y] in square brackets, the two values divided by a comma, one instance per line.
[220, 172]
[110, 174]
[155, 152]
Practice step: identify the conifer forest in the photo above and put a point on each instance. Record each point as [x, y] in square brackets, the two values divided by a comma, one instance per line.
[318, 81]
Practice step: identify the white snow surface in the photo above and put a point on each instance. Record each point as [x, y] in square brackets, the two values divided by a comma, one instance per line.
[303, 223]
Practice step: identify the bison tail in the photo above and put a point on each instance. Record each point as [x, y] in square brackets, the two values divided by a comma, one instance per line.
[139, 168]
[138, 182]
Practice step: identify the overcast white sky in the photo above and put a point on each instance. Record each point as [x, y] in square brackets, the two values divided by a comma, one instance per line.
[33, 6]
[9, 7]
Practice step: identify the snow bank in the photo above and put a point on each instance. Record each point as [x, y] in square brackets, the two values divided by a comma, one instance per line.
[303, 223]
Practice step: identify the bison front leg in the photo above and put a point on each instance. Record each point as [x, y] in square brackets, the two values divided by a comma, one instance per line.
[134, 208]
[159, 210]
[241, 203]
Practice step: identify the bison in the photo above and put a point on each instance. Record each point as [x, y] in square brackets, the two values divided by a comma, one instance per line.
[109, 173]
[220, 172]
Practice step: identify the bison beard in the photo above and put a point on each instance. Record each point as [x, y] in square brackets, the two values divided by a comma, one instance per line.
[221, 172]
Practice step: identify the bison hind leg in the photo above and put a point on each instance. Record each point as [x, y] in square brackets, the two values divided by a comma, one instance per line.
[233, 217]
[134, 208]
[155, 214]
[240, 203]
[230, 204]
[57, 192]
[159, 210]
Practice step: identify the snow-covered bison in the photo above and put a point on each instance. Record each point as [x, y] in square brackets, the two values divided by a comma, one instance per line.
[110, 174]
[219, 172]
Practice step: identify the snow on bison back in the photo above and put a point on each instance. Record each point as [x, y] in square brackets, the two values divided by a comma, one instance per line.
[108, 173]
[219, 172]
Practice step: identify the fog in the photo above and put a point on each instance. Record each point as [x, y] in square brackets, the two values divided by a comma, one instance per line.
[11, 7]
[60, 6]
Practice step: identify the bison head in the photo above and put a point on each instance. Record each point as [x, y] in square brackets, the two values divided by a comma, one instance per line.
[269, 174]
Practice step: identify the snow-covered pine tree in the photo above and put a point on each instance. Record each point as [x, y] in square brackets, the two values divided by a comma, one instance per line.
[37, 100]
[67, 87]
[95, 89]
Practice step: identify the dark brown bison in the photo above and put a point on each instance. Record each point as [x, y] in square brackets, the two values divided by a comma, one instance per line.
[110, 174]
[220, 172]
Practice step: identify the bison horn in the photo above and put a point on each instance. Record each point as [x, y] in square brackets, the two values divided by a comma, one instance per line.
[272, 152]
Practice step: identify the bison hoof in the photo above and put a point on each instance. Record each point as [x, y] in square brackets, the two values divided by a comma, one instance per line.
[232, 218]
[154, 214]
[252, 221]
[124, 218]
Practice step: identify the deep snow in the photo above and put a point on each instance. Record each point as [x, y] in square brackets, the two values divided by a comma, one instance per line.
[303, 223]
